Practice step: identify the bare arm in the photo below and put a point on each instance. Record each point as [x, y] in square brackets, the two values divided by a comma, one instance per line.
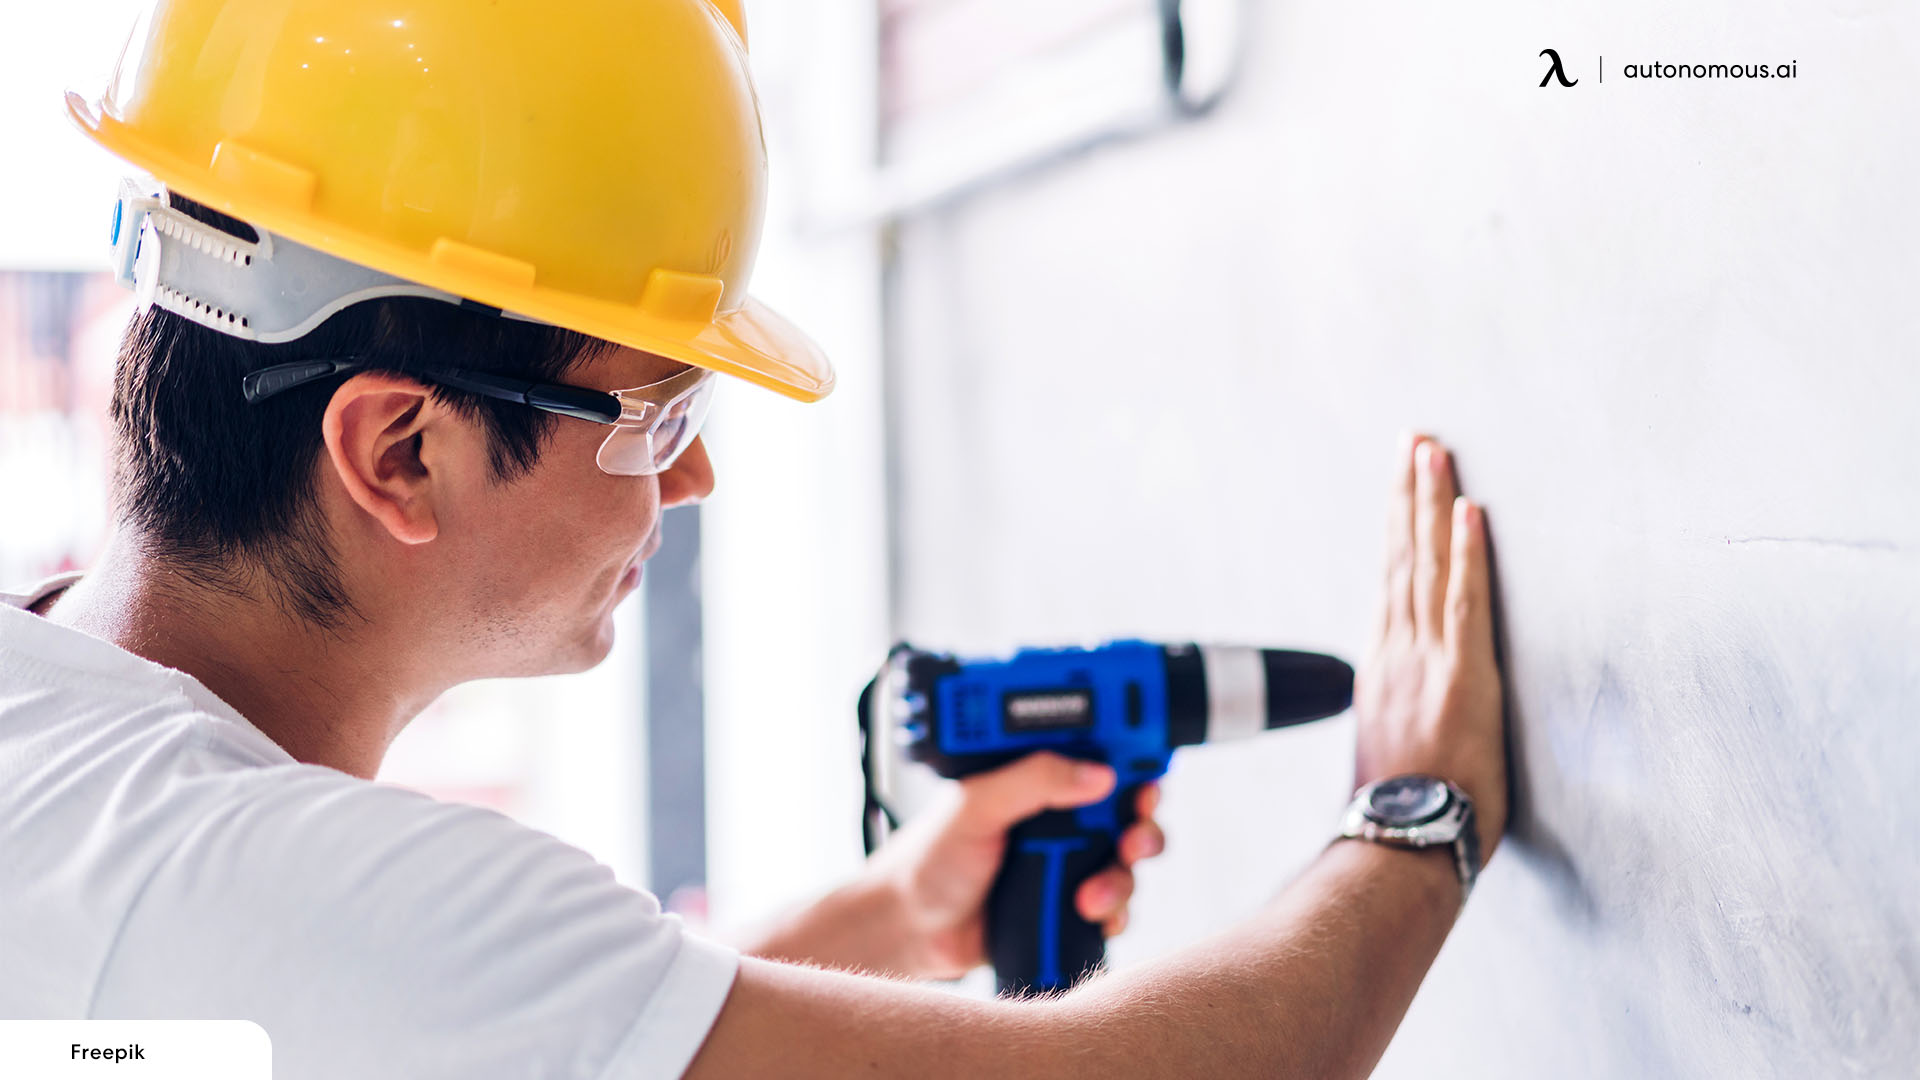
[1313, 986]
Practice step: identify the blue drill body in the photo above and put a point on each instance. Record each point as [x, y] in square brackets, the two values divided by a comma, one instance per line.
[1107, 705]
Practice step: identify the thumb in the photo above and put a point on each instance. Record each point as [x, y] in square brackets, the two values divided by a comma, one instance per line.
[1012, 793]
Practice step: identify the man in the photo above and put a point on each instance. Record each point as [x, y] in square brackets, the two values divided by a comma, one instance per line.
[347, 479]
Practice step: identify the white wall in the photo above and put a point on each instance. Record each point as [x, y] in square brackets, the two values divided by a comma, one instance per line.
[1670, 329]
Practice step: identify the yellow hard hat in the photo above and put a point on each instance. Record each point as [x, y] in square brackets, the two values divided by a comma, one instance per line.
[595, 164]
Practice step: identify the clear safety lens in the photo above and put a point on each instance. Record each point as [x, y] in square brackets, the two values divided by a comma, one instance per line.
[653, 443]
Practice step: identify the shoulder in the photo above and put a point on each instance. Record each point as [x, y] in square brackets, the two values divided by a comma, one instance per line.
[378, 854]
[306, 845]
[386, 933]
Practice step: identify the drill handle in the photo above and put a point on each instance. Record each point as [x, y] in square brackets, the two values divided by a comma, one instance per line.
[1035, 936]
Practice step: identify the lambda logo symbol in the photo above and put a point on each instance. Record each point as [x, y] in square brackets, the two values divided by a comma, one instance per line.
[1555, 72]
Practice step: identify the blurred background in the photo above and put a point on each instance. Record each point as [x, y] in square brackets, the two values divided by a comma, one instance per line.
[1129, 299]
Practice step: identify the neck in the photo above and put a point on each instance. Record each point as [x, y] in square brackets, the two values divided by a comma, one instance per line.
[328, 696]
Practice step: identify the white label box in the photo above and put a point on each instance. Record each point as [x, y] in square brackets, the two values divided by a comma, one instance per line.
[135, 1049]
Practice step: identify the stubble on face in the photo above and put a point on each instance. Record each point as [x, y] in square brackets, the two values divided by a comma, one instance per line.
[558, 541]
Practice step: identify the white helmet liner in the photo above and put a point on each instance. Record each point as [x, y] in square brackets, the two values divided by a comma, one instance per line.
[271, 291]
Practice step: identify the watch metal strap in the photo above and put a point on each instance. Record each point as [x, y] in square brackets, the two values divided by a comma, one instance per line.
[1466, 848]
[1465, 845]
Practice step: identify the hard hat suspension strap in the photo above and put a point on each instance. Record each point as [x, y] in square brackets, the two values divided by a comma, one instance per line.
[272, 290]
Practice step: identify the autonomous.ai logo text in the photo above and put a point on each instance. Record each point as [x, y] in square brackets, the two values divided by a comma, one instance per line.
[1555, 71]
[1789, 70]
[1750, 71]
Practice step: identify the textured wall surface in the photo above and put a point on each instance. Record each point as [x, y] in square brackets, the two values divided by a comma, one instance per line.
[1672, 330]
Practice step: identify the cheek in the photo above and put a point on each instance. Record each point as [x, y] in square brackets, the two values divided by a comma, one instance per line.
[557, 540]
[591, 527]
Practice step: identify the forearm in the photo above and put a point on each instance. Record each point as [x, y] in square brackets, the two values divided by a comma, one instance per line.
[1314, 986]
[857, 927]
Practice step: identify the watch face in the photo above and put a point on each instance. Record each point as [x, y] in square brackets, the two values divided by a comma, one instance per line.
[1407, 800]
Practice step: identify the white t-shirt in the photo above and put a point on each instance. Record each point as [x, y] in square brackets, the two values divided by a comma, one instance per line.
[161, 858]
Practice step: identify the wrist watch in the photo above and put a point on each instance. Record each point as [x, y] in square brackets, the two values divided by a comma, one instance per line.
[1418, 811]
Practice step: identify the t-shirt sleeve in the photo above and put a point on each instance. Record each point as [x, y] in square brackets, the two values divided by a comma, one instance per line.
[374, 932]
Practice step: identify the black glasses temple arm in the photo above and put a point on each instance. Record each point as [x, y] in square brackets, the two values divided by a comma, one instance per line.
[577, 401]
[595, 405]
[258, 386]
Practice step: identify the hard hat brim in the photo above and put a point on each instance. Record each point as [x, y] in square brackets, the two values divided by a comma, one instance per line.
[750, 342]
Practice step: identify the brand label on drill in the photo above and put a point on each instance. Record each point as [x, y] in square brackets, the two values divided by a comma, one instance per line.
[1047, 710]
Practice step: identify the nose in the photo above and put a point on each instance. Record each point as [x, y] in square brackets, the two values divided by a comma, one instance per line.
[691, 477]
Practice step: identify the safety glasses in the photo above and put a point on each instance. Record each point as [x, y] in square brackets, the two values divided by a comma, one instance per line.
[652, 424]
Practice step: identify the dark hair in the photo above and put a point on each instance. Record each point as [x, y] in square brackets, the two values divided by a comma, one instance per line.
[222, 491]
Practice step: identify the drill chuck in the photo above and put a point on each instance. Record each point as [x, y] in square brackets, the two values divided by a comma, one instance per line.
[1220, 692]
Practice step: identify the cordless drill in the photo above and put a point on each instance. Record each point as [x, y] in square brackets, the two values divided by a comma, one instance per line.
[1127, 704]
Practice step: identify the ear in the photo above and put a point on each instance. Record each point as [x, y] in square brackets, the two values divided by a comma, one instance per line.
[373, 428]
